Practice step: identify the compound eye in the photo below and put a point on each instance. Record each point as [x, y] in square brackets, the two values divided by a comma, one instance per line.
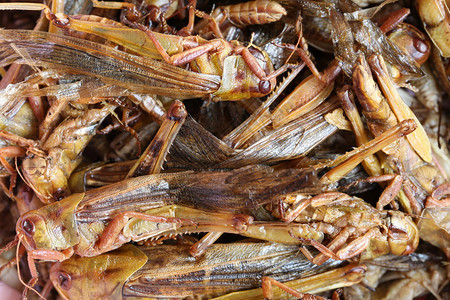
[64, 280]
[264, 87]
[28, 226]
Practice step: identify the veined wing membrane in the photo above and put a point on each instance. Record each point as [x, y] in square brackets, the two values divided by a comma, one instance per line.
[140, 74]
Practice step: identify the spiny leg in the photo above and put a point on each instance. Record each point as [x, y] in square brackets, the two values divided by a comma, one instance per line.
[150, 162]
[114, 227]
[337, 242]
[194, 50]
[304, 55]
[189, 28]
[45, 255]
[389, 193]
[345, 163]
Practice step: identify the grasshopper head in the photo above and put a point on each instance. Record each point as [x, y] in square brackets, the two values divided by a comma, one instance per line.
[98, 277]
[51, 227]
[46, 178]
[61, 279]
[403, 235]
[257, 87]
[27, 227]
[240, 82]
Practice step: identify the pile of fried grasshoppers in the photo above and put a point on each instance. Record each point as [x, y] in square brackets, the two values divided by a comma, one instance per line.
[221, 149]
